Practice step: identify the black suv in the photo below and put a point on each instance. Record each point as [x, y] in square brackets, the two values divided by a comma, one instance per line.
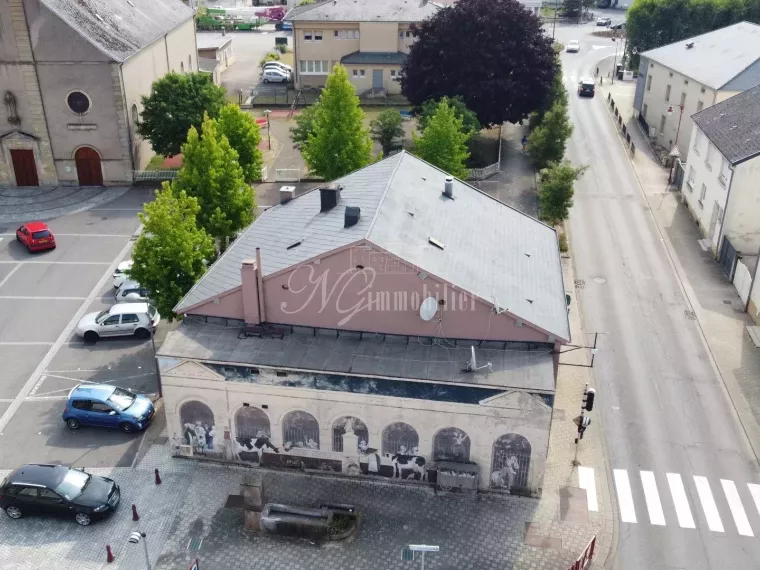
[58, 490]
[586, 88]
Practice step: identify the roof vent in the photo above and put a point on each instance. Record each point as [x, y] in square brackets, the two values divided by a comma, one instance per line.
[294, 245]
[436, 243]
[287, 193]
[353, 214]
[689, 45]
[329, 196]
[448, 187]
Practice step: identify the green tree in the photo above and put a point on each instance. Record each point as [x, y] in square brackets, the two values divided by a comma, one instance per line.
[211, 173]
[244, 136]
[304, 127]
[571, 9]
[547, 142]
[443, 143]
[555, 191]
[339, 142]
[470, 124]
[177, 102]
[557, 94]
[388, 130]
[170, 255]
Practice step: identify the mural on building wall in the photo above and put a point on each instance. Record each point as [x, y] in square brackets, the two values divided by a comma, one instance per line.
[350, 424]
[451, 444]
[400, 456]
[300, 429]
[510, 466]
[198, 428]
[252, 434]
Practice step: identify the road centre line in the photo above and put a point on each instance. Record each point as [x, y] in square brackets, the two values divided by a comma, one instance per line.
[63, 337]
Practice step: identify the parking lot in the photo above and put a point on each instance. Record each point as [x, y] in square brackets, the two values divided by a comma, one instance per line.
[42, 297]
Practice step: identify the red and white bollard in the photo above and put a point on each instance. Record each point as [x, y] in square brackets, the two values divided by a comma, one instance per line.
[135, 516]
[158, 478]
[109, 555]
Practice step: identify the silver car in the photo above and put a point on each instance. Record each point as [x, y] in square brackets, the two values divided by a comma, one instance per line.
[124, 319]
[131, 292]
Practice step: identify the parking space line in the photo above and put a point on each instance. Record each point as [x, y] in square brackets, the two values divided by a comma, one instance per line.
[45, 398]
[40, 262]
[22, 343]
[24, 298]
[63, 337]
[10, 274]
[86, 235]
[37, 385]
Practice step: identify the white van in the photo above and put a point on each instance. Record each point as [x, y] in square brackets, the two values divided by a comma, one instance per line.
[123, 319]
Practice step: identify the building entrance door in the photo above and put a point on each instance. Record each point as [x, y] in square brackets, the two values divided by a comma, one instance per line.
[89, 170]
[377, 79]
[24, 167]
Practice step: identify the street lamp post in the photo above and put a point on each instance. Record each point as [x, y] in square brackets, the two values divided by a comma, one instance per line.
[269, 131]
[614, 63]
[135, 538]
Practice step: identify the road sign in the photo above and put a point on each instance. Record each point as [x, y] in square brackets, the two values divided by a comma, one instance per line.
[194, 565]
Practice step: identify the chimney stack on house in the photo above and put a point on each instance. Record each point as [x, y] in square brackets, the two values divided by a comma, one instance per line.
[352, 216]
[287, 193]
[448, 187]
[329, 196]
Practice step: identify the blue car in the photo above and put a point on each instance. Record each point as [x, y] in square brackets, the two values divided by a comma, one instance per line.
[104, 405]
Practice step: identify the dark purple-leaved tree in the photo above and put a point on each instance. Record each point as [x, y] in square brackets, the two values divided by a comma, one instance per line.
[492, 53]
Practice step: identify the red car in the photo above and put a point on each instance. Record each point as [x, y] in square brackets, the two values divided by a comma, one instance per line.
[36, 236]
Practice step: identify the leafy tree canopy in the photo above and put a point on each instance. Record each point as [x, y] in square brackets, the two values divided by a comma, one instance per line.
[492, 53]
[388, 130]
[177, 102]
[555, 191]
[211, 173]
[655, 23]
[339, 142]
[169, 256]
[443, 144]
[470, 123]
[547, 142]
[244, 136]
[299, 134]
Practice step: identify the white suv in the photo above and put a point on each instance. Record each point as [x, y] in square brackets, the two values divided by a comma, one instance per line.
[123, 319]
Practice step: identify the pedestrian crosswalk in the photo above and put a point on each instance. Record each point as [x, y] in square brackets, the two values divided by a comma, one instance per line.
[644, 497]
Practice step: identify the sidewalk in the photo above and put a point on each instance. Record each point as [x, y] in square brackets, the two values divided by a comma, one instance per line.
[713, 299]
[46, 202]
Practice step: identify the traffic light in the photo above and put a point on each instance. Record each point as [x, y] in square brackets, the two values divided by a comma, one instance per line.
[584, 424]
[588, 399]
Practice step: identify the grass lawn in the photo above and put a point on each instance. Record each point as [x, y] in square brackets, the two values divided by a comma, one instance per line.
[155, 163]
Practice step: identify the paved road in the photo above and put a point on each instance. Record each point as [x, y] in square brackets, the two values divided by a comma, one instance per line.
[42, 296]
[682, 469]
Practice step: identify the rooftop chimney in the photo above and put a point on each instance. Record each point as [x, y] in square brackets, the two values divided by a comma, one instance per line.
[329, 196]
[448, 187]
[353, 214]
[287, 193]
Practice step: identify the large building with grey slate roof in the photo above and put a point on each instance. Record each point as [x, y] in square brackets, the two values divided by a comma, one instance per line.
[721, 185]
[395, 322]
[74, 72]
[680, 79]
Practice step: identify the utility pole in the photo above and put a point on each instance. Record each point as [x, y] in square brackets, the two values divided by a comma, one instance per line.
[583, 421]
[614, 63]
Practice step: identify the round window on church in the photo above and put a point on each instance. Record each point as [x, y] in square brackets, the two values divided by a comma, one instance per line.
[78, 102]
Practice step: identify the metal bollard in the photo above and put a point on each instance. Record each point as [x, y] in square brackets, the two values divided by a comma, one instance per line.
[158, 478]
[135, 516]
[109, 555]
[633, 150]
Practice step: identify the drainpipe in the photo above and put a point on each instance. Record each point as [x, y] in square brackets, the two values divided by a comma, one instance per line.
[260, 287]
[130, 134]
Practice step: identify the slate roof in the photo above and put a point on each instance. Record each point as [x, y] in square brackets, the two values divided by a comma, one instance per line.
[208, 64]
[716, 58]
[733, 125]
[491, 250]
[212, 41]
[364, 11]
[119, 28]
[374, 58]
[367, 354]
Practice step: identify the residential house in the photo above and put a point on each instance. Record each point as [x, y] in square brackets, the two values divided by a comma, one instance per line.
[394, 323]
[371, 39]
[721, 183]
[216, 46]
[72, 74]
[680, 79]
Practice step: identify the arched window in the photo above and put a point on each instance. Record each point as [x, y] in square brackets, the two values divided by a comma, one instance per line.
[400, 438]
[510, 465]
[300, 429]
[198, 428]
[340, 427]
[451, 444]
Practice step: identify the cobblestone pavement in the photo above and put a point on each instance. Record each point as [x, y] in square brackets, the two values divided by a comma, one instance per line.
[44, 203]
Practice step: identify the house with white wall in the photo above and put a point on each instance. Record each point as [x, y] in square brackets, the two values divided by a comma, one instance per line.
[720, 183]
[394, 323]
[683, 78]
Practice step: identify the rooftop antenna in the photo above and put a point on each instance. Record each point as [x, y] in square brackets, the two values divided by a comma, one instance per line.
[472, 365]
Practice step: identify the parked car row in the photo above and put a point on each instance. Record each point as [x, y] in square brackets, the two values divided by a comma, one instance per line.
[276, 72]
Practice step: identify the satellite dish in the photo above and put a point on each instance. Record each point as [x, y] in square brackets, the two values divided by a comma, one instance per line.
[428, 309]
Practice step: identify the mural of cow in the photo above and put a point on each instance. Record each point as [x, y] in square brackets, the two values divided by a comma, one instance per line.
[413, 463]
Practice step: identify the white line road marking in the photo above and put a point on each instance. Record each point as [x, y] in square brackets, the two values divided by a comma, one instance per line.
[37, 385]
[683, 511]
[737, 510]
[625, 498]
[45, 398]
[40, 262]
[586, 481]
[10, 274]
[86, 235]
[755, 492]
[654, 506]
[708, 504]
[12, 343]
[23, 298]
[62, 338]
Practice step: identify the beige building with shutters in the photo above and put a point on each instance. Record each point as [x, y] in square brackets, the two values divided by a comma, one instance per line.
[72, 74]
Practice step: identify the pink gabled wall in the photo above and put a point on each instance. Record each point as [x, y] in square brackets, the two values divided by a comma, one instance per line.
[230, 305]
[382, 297]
